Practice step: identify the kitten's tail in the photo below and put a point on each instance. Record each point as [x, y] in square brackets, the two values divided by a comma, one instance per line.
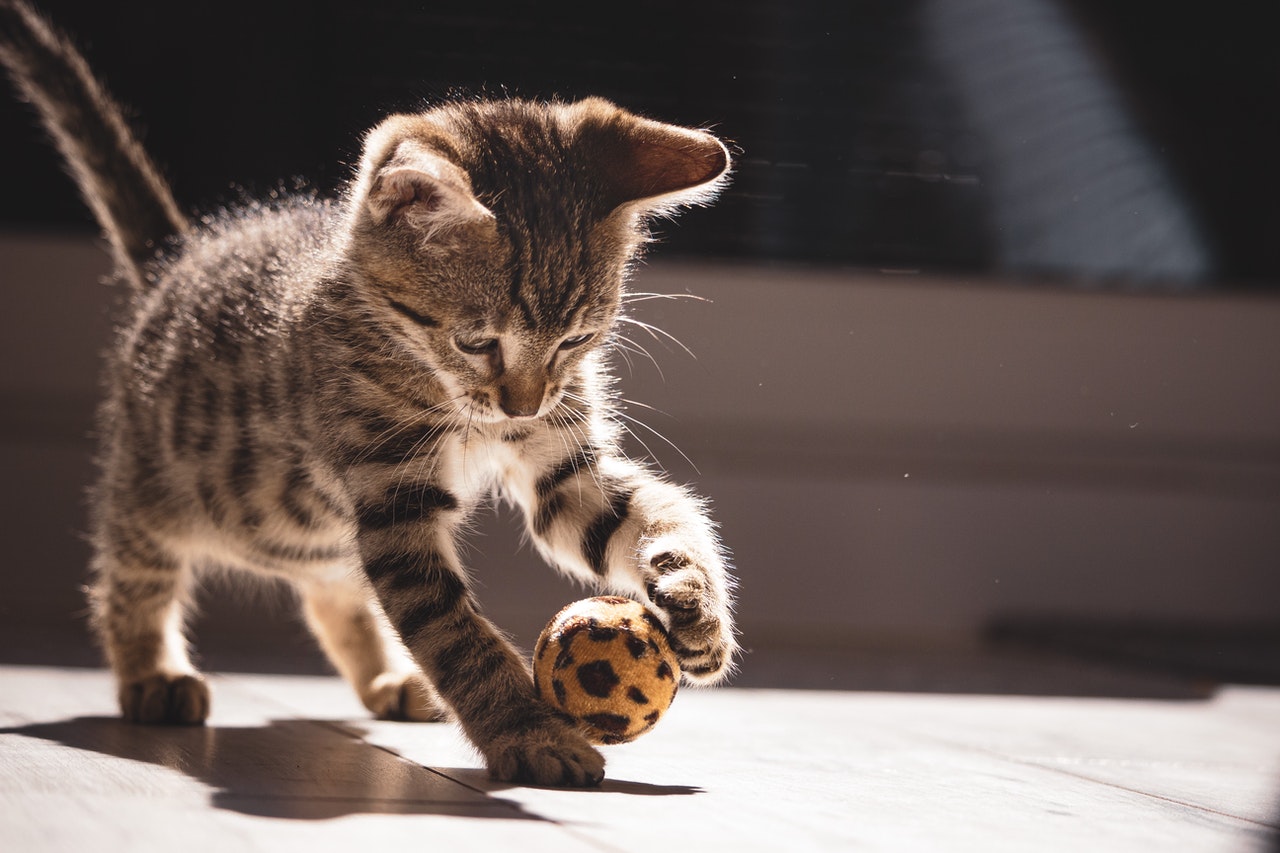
[121, 185]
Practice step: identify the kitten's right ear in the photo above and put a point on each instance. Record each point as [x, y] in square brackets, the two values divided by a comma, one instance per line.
[407, 183]
[647, 164]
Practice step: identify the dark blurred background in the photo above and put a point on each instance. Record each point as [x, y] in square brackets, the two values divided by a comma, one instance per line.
[1088, 140]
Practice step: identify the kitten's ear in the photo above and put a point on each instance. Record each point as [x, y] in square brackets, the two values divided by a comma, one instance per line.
[660, 166]
[423, 190]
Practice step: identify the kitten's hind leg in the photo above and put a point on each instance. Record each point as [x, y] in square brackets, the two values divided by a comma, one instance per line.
[139, 599]
[355, 637]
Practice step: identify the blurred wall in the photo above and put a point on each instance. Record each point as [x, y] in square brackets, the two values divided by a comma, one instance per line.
[1039, 136]
[889, 456]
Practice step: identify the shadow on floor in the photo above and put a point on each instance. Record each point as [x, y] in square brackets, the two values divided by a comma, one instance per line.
[478, 779]
[301, 769]
[293, 769]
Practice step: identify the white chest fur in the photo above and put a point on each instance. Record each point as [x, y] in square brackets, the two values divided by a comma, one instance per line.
[481, 465]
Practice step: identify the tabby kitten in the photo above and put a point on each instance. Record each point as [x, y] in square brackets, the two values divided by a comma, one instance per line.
[325, 391]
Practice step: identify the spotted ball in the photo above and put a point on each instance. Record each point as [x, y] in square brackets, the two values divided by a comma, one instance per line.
[607, 663]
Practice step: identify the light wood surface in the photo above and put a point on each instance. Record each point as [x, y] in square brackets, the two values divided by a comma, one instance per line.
[292, 763]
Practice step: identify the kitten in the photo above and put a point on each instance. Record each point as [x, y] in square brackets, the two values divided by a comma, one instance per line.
[325, 391]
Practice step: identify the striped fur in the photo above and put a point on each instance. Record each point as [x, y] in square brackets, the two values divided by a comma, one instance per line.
[325, 391]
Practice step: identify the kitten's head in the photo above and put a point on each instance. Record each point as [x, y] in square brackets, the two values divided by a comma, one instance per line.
[492, 238]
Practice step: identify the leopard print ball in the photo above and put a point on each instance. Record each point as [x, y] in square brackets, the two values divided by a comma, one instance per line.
[607, 662]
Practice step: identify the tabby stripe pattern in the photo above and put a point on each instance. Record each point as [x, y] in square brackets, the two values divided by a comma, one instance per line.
[595, 540]
[404, 505]
[427, 600]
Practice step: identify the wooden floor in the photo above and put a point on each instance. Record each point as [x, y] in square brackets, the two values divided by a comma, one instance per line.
[292, 763]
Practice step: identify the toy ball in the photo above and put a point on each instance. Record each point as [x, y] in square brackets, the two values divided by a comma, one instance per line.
[607, 662]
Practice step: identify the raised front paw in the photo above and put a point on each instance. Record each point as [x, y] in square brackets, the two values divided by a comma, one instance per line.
[173, 699]
[549, 753]
[699, 620]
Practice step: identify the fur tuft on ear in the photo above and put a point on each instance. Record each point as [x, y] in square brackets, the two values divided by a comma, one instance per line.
[422, 198]
[405, 182]
[652, 165]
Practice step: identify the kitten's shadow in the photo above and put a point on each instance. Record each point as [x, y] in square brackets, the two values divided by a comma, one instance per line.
[479, 780]
[293, 769]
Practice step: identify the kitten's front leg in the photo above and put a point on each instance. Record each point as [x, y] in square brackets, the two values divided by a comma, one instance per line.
[606, 517]
[405, 536]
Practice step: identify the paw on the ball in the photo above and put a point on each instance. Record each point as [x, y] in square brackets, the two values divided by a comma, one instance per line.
[552, 755]
[165, 699]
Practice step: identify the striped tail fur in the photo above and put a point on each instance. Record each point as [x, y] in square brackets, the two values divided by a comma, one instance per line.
[131, 201]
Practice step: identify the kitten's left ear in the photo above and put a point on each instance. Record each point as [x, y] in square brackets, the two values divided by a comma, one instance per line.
[425, 191]
[652, 165]
[404, 180]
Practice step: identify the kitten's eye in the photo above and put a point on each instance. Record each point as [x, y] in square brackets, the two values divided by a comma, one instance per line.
[575, 342]
[483, 346]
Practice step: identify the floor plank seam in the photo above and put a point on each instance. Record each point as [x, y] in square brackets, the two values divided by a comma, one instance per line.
[1273, 825]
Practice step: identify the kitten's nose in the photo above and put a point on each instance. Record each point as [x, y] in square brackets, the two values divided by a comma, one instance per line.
[521, 399]
[518, 411]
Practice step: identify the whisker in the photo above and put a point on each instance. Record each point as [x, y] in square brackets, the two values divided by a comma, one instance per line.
[399, 428]
[416, 452]
[657, 331]
[625, 352]
[642, 296]
[630, 402]
[466, 434]
[618, 417]
[576, 423]
[631, 346]
[621, 414]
